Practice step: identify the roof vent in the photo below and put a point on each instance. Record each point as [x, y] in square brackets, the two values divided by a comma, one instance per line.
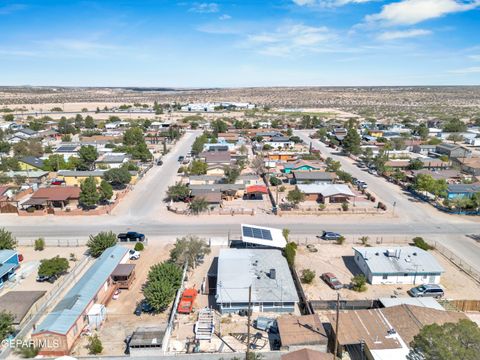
[273, 274]
[377, 253]
[414, 254]
[391, 253]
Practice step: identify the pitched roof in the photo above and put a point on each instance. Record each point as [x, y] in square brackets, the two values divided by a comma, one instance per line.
[301, 330]
[314, 175]
[71, 307]
[18, 303]
[464, 188]
[33, 161]
[58, 193]
[326, 190]
[306, 354]
[216, 157]
[257, 189]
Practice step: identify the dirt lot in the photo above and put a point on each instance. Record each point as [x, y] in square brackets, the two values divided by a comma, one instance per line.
[339, 260]
[27, 273]
[121, 321]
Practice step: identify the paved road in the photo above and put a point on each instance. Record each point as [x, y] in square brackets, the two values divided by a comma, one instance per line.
[143, 210]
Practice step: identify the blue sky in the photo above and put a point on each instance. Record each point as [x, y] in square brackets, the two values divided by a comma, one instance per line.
[239, 42]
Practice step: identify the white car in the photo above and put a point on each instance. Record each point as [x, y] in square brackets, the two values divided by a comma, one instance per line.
[133, 255]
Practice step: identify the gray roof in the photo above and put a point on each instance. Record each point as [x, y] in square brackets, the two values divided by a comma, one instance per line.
[18, 303]
[113, 158]
[314, 175]
[279, 139]
[75, 302]
[427, 302]
[326, 190]
[73, 173]
[147, 337]
[240, 268]
[32, 160]
[202, 189]
[464, 188]
[31, 174]
[406, 259]
[67, 148]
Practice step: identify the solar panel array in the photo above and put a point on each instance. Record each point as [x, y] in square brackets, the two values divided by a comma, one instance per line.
[257, 233]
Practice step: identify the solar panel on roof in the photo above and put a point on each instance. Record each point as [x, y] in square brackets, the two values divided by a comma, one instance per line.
[257, 233]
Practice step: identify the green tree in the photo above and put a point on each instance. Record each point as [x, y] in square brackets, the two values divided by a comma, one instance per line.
[55, 162]
[332, 165]
[88, 154]
[89, 122]
[9, 117]
[6, 324]
[421, 243]
[450, 341]
[351, 142]
[133, 136]
[105, 190]
[198, 167]
[415, 164]
[295, 197]
[199, 143]
[54, 266]
[31, 147]
[274, 181]
[422, 131]
[359, 283]
[7, 240]
[94, 346]
[231, 174]
[89, 195]
[65, 126]
[178, 192]
[163, 281]
[189, 248]
[455, 125]
[118, 176]
[455, 138]
[99, 243]
[198, 205]
[219, 126]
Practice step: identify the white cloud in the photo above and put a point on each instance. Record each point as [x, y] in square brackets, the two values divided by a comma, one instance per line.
[294, 39]
[469, 70]
[474, 57]
[329, 3]
[410, 12]
[403, 34]
[205, 8]
[224, 17]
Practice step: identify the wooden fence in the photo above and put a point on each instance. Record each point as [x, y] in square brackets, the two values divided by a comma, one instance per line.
[466, 305]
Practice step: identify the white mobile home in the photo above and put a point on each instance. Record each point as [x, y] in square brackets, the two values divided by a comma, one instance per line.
[400, 265]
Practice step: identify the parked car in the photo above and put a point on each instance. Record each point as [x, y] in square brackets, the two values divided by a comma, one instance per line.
[328, 235]
[133, 255]
[51, 279]
[181, 158]
[373, 172]
[332, 281]
[131, 236]
[185, 306]
[57, 182]
[429, 290]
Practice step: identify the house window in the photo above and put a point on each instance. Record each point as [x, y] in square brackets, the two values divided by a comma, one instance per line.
[385, 276]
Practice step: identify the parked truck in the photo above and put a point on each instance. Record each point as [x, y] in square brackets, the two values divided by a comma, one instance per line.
[185, 305]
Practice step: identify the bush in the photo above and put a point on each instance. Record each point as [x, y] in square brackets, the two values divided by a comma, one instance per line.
[307, 276]
[39, 244]
[282, 188]
[53, 266]
[359, 283]
[322, 207]
[139, 246]
[341, 240]
[163, 281]
[99, 243]
[421, 243]
[189, 248]
[364, 240]
[345, 206]
[94, 345]
[7, 240]
[290, 252]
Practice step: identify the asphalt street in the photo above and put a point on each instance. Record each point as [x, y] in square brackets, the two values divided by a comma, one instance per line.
[143, 210]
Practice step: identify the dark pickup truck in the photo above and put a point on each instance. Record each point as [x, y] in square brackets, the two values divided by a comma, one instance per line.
[131, 236]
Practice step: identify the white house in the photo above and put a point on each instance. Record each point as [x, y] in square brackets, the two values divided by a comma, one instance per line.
[400, 265]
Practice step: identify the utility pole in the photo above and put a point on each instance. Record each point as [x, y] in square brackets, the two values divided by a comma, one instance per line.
[248, 321]
[335, 347]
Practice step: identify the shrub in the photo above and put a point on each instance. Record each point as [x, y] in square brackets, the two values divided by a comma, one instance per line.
[307, 276]
[94, 345]
[422, 244]
[99, 243]
[139, 246]
[364, 240]
[345, 206]
[290, 252]
[282, 188]
[359, 283]
[7, 240]
[189, 248]
[163, 281]
[39, 244]
[53, 266]
[321, 207]
[341, 240]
